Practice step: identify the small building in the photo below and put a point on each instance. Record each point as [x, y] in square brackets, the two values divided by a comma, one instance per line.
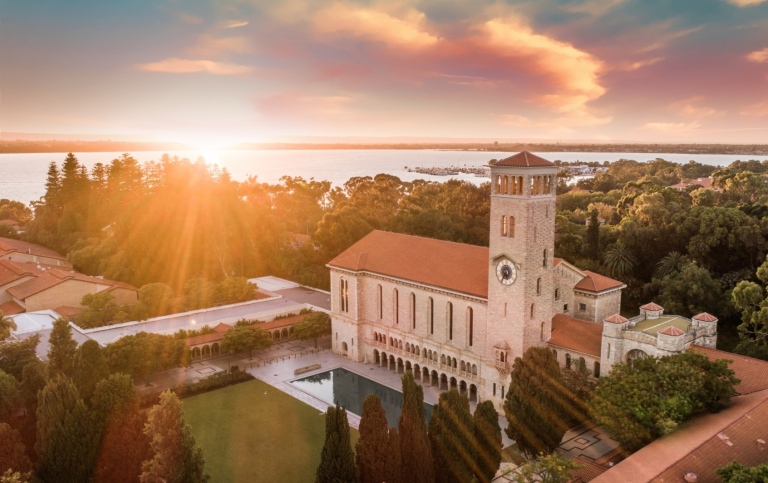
[25, 252]
[12, 224]
[705, 183]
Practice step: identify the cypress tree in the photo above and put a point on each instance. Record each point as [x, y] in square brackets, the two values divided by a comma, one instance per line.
[53, 188]
[393, 458]
[124, 446]
[416, 454]
[90, 367]
[65, 436]
[487, 441]
[452, 435]
[61, 353]
[337, 461]
[174, 455]
[13, 455]
[371, 450]
[538, 406]
[593, 236]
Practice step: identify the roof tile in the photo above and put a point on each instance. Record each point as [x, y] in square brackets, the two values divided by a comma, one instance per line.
[575, 334]
[672, 330]
[11, 308]
[753, 373]
[9, 245]
[705, 317]
[616, 319]
[594, 282]
[524, 159]
[652, 307]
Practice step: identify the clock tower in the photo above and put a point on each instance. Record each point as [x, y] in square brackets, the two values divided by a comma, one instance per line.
[522, 243]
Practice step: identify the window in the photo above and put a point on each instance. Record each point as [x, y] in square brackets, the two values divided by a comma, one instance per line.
[541, 333]
[395, 306]
[596, 372]
[557, 294]
[567, 361]
[471, 324]
[494, 389]
[538, 286]
[511, 226]
[344, 294]
[565, 307]
[449, 316]
[532, 310]
[545, 259]
[503, 225]
[502, 392]
[413, 310]
[431, 304]
[582, 307]
[353, 342]
[379, 302]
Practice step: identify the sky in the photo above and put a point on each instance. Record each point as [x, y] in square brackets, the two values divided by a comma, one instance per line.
[213, 72]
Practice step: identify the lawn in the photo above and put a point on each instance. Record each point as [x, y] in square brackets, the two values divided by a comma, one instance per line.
[252, 432]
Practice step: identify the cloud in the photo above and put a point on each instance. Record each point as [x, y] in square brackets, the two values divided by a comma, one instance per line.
[233, 24]
[690, 107]
[759, 109]
[671, 126]
[630, 66]
[212, 46]
[745, 3]
[375, 26]
[594, 8]
[759, 55]
[188, 66]
[516, 120]
[662, 38]
[573, 74]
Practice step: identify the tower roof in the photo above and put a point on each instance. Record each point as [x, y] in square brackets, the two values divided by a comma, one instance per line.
[672, 330]
[615, 319]
[653, 307]
[525, 159]
[705, 317]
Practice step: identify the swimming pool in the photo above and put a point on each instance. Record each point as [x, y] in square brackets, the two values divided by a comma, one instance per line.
[349, 390]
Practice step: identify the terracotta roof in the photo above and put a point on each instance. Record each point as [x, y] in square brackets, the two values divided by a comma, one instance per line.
[453, 266]
[705, 317]
[701, 445]
[556, 261]
[9, 245]
[752, 372]
[284, 322]
[652, 307]
[594, 282]
[589, 470]
[616, 319]
[54, 277]
[12, 271]
[575, 334]
[207, 338]
[11, 308]
[69, 312]
[672, 330]
[524, 159]
[223, 328]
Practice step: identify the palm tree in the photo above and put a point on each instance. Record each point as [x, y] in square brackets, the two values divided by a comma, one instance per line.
[670, 264]
[619, 259]
[6, 325]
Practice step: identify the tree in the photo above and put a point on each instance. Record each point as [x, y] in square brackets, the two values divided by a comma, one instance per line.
[90, 367]
[234, 290]
[650, 397]
[65, 435]
[9, 395]
[551, 468]
[6, 326]
[371, 449]
[415, 451]
[157, 297]
[313, 327]
[13, 455]
[34, 377]
[593, 236]
[14, 355]
[750, 298]
[337, 461]
[246, 339]
[101, 309]
[538, 406]
[487, 441]
[619, 260]
[61, 353]
[110, 396]
[451, 434]
[690, 291]
[175, 457]
[735, 472]
[394, 458]
[671, 263]
[198, 294]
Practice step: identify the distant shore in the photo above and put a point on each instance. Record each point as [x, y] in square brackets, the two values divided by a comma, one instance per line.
[63, 146]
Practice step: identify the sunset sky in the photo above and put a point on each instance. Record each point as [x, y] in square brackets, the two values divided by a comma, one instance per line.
[248, 70]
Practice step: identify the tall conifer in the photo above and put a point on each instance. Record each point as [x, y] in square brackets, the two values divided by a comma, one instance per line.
[415, 452]
[371, 449]
[337, 461]
[487, 441]
[452, 436]
[394, 459]
[61, 353]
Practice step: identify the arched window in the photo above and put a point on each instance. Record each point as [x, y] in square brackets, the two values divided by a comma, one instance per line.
[596, 371]
[380, 302]
[532, 310]
[504, 184]
[498, 183]
[449, 317]
[541, 333]
[431, 315]
[567, 361]
[395, 306]
[471, 324]
[344, 294]
[413, 310]
[557, 294]
[545, 258]
[511, 226]
[503, 225]
[538, 286]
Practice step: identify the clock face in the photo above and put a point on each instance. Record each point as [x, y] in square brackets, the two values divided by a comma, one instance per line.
[506, 271]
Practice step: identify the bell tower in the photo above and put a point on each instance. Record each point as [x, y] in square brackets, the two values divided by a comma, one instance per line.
[522, 244]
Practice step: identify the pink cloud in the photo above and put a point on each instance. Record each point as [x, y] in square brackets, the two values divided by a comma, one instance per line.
[759, 55]
[187, 66]
[745, 3]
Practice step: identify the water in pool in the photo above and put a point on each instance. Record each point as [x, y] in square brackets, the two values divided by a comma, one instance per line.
[349, 390]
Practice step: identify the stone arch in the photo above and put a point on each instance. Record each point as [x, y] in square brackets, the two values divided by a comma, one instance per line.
[472, 393]
[418, 351]
[504, 230]
[408, 367]
[434, 379]
[215, 349]
[417, 372]
[290, 332]
[206, 351]
[455, 364]
[442, 359]
[400, 365]
[392, 365]
[463, 387]
[407, 347]
[474, 369]
[567, 361]
[443, 382]
[284, 333]
[276, 335]
[376, 357]
[196, 353]
[400, 344]
[425, 376]
[453, 383]
[463, 366]
[635, 354]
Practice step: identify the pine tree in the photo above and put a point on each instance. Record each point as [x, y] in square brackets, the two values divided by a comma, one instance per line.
[371, 449]
[452, 436]
[337, 461]
[415, 451]
[53, 188]
[487, 441]
[90, 367]
[175, 457]
[393, 460]
[538, 407]
[124, 446]
[593, 236]
[61, 353]
[65, 436]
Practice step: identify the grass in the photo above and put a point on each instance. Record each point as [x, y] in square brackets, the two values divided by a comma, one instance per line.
[252, 432]
[652, 326]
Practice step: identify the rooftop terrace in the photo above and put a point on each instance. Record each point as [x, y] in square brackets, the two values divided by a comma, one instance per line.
[652, 326]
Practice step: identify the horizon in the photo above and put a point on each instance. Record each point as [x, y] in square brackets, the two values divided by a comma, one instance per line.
[213, 74]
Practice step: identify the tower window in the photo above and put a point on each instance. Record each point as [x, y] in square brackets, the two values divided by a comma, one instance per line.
[538, 286]
[533, 306]
[431, 304]
[545, 258]
[344, 294]
[471, 324]
[396, 306]
[413, 310]
[449, 316]
[503, 225]
[541, 334]
[504, 184]
[379, 302]
[511, 226]
[557, 294]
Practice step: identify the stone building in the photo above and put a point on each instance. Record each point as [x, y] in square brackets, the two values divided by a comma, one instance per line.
[457, 315]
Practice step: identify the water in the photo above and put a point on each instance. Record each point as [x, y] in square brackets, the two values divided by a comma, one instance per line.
[349, 390]
[22, 176]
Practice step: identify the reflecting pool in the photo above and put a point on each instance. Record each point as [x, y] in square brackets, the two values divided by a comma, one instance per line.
[349, 390]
